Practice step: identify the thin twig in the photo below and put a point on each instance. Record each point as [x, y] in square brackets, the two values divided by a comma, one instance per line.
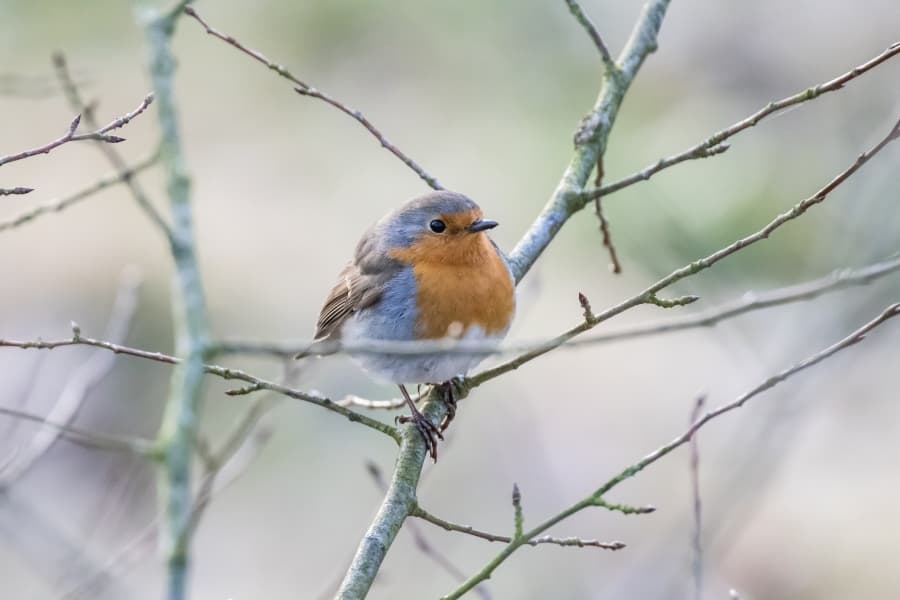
[112, 155]
[649, 294]
[632, 470]
[614, 265]
[305, 89]
[714, 144]
[697, 534]
[16, 191]
[88, 439]
[591, 30]
[219, 371]
[82, 381]
[535, 540]
[419, 539]
[60, 204]
[100, 135]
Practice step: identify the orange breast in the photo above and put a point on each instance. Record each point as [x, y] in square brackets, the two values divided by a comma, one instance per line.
[460, 280]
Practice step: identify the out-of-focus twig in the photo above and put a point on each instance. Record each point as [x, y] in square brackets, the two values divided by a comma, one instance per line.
[100, 135]
[697, 529]
[592, 32]
[305, 89]
[80, 383]
[60, 204]
[112, 155]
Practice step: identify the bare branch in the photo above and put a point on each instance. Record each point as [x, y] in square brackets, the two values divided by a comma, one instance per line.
[70, 136]
[60, 204]
[632, 470]
[89, 439]
[697, 537]
[531, 541]
[648, 296]
[112, 155]
[714, 144]
[223, 372]
[83, 380]
[305, 89]
[591, 30]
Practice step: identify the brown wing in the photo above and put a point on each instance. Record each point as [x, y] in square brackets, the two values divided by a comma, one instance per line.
[354, 291]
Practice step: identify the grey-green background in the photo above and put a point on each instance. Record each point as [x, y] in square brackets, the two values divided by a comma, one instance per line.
[800, 488]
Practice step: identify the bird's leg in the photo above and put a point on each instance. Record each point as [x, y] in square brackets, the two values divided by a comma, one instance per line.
[430, 433]
[448, 394]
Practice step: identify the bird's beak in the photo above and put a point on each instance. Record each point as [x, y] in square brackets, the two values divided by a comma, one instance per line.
[482, 225]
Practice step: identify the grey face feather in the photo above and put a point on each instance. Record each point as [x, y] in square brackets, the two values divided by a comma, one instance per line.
[407, 223]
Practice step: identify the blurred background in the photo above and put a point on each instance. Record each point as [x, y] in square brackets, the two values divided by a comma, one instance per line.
[800, 488]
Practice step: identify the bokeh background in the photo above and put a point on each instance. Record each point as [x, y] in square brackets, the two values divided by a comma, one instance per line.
[800, 488]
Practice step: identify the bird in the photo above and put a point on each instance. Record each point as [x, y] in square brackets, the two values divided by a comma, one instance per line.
[427, 270]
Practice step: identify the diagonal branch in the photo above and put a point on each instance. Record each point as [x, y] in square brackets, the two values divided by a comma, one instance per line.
[592, 500]
[80, 383]
[591, 30]
[100, 135]
[305, 89]
[575, 542]
[60, 204]
[714, 144]
[256, 383]
[648, 296]
[112, 155]
[590, 143]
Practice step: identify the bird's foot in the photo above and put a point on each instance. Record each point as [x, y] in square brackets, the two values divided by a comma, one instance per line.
[449, 396]
[428, 430]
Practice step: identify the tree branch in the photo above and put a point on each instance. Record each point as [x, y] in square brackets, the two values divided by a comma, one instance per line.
[101, 135]
[590, 143]
[648, 296]
[535, 541]
[597, 496]
[591, 30]
[112, 155]
[67, 201]
[714, 144]
[256, 383]
[179, 424]
[80, 383]
[305, 89]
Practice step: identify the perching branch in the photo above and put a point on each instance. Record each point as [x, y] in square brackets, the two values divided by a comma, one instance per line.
[590, 143]
[697, 528]
[305, 89]
[100, 135]
[256, 383]
[852, 339]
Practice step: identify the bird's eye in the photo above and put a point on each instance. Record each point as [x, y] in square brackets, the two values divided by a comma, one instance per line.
[437, 226]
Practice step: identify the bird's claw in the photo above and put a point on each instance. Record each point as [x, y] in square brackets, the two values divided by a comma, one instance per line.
[429, 431]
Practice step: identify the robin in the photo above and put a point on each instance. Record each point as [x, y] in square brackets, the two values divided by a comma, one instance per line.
[426, 271]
